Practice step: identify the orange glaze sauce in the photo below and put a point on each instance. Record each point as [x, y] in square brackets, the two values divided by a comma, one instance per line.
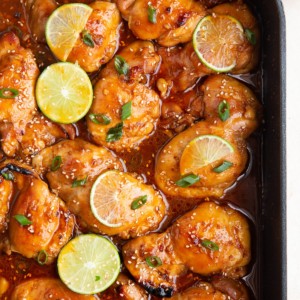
[244, 195]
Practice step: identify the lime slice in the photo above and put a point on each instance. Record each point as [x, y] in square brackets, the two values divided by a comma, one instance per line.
[88, 264]
[215, 41]
[64, 92]
[64, 26]
[116, 195]
[202, 151]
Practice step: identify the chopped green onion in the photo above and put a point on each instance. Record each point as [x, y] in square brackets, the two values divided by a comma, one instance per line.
[121, 65]
[97, 278]
[8, 93]
[42, 257]
[126, 111]
[115, 133]
[22, 220]
[8, 176]
[99, 119]
[80, 182]
[138, 202]
[56, 163]
[223, 167]
[153, 261]
[87, 39]
[224, 110]
[187, 180]
[210, 245]
[152, 14]
[250, 36]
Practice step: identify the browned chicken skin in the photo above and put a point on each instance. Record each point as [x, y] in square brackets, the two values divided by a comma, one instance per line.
[168, 171]
[24, 131]
[181, 68]
[175, 20]
[208, 240]
[103, 25]
[80, 160]
[18, 71]
[51, 225]
[45, 289]
[113, 91]
[245, 110]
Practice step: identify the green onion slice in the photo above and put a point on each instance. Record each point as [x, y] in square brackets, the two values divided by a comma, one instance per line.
[99, 119]
[8, 176]
[97, 278]
[250, 36]
[126, 111]
[8, 93]
[42, 257]
[121, 65]
[187, 180]
[115, 133]
[210, 245]
[87, 39]
[138, 202]
[224, 110]
[153, 261]
[56, 163]
[79, 182]
[152, 14]
[22, 220]
[223, 167]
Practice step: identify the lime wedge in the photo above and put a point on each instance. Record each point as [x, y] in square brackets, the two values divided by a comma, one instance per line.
[216, 39]
[88, 264]
[202, 151]
[64, 26]
[64, 92]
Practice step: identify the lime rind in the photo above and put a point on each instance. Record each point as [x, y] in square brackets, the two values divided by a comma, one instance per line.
[64, 92]
[84, 260]
[62, 34]
[212, 66]
[199, 158]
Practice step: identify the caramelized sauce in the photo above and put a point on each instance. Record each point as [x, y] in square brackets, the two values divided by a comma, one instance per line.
[245, 195]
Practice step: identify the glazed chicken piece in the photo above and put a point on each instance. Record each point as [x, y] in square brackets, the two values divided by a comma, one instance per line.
[49, 224]
[6, 198]
[24, 131]
[125, 288]
[247, 54]
[210, 239]
[37, 14]
[160, 280]
[103, 26]
[168, 22]
[218, 289]
[45, 289]
[18, 73]
[245, 110]
[81, 160]
[169, 162]
[113, 91]
[181, 67]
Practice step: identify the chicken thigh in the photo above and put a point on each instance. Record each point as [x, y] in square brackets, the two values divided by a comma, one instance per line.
[210, 239]
[168, 22]
[114, 91]
[39, 223]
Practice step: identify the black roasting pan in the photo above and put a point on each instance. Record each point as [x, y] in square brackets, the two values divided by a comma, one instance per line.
[272, 217]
